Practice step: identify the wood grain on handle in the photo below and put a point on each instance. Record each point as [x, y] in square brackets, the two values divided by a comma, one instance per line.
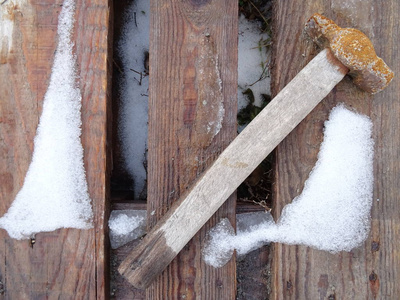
[239, 159]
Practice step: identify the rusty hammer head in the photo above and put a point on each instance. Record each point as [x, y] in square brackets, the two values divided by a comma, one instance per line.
[354, 50]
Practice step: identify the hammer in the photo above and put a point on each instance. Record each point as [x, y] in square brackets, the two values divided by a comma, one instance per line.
[347, 51]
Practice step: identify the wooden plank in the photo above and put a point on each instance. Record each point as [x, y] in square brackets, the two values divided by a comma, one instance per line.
[372, 270]
[193, 72]
[120, 287]
[67, 263]
[254, 275]
[236, 162]
[252, 270]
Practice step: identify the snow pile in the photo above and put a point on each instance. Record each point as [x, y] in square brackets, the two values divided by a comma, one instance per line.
[55, 192]
[333, 211]
[126, 226]
[220, 239]
[248, 223]
[252, 62]
[133, 49]
[218, 246]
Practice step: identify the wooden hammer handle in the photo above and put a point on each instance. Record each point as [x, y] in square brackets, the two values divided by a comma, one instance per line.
[234, 165]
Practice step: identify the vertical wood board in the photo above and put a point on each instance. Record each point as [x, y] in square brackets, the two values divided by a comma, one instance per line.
[192, 118]
[372, 270]
[66, 263]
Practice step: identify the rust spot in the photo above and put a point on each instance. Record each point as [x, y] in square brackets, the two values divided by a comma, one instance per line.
[374, 284]
[354, 50]
[375, 246]
[341, 67]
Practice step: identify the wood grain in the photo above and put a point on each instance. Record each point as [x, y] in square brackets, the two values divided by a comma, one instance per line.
[67, 263]
[188, 37]
[252, 270]
[372, 270]
[194, 208]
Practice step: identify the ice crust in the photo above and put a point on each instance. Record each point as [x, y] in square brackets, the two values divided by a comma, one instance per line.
[55, 193]
[126, 226]
[333, 211]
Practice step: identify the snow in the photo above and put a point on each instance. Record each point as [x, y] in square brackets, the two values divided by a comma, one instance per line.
[252, 59]
[126, 226]
[333, 211]
[248, 222]
[218, 249]
[132, 48]
[220, 242]
[55, 193]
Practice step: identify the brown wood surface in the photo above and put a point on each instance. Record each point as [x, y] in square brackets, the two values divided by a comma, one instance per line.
[254, 275]
[252, 270]
[372, 270]
[188, 38]
[198, 204]
[67, 263]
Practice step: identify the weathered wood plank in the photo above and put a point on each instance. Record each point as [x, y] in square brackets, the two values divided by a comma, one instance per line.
[67, 263]
[371, 271]
[237, 161]
[253, 275]
[94, 40]
[121, 289]
[193, 73]
[252, 270]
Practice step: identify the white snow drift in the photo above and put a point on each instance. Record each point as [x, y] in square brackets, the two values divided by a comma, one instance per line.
[333, 211]
[55, 193]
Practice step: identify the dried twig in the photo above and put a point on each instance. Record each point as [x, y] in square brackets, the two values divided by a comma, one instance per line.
[118, 67]
[261, 15]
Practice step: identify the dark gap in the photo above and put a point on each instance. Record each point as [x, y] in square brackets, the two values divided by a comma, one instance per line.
[121, 181]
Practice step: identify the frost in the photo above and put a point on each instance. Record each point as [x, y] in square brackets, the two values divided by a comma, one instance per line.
[333, 211]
